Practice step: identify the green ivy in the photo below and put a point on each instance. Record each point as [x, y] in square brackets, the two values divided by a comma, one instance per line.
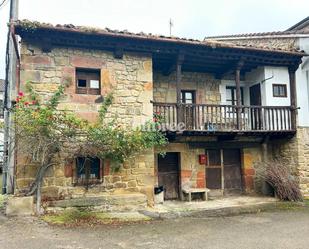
[43, 131]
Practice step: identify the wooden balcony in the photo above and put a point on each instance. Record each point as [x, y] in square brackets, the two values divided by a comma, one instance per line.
[208, 118]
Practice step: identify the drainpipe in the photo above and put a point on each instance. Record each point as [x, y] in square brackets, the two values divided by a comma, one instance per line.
[10, 83]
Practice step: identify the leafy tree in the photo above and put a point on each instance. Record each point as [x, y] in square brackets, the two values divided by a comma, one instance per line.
[47, 136]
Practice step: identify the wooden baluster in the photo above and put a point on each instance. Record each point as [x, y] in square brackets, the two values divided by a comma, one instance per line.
[220, 117]
[277, 119]
[203, 117]
[211, 115]
[224, 113]
[281, 119]
[263, 118]
[289, 119]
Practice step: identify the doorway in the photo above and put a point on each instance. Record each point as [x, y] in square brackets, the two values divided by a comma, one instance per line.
[255, 113]
[223, 169]
[188, 98]
[168, 175]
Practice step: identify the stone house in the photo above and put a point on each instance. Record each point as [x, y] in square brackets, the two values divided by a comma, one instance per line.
[295, 37]
[220, 115]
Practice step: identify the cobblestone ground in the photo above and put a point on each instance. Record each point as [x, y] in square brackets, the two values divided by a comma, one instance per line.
[282, 229]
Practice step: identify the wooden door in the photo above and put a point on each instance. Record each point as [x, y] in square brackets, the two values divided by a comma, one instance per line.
[168, 175]
[255, 113]
[214, 169]
[232, 169]
[223, 169]
[188, 98]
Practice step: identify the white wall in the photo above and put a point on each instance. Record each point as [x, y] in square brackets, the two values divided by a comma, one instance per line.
[225, 83]
[251, 78]
[276, 75]
[266, 76]
[302, 85]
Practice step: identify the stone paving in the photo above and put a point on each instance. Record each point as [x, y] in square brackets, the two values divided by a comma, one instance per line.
[213, 207]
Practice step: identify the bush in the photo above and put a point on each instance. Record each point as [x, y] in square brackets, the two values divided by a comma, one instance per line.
[278, 175]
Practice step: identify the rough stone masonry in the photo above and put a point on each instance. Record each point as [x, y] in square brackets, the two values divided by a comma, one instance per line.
[130, 81]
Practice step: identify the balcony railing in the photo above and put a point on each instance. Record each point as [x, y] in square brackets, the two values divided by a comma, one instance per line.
[225, 118]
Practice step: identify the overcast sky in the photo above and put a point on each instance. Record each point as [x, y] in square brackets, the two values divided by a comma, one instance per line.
[191, 18]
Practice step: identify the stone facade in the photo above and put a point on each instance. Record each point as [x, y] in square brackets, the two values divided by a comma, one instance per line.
[205, 85]
[130, 81]
[134, 85]
[296, 152]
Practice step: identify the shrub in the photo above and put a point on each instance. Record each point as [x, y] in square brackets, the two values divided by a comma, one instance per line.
[278, 175]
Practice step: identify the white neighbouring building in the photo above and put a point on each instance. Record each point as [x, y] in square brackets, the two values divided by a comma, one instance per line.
[295, 37]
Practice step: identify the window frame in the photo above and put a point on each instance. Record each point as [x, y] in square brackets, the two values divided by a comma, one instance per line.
[279, 86]
[87, 74]
[183, 94]
[234, 98]
[79, 181]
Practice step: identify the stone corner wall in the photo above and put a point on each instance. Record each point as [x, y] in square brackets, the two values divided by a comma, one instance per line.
[130, 81]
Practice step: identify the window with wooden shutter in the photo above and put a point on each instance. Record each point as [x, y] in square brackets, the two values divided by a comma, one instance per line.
[88, 81]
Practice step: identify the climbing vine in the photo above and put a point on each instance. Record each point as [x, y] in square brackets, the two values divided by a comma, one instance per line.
[47, 135]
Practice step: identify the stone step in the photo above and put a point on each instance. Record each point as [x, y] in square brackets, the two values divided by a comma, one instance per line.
[104, 202]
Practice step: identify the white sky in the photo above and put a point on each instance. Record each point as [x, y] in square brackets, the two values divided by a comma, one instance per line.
[192, 18]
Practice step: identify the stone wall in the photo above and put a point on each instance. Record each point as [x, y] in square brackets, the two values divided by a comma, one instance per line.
[191, 172]
[130, 81]
[205, 85]
[295, 152]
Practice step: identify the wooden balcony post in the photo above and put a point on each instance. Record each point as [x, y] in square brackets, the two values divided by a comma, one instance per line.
[293, 96]
[179, 62]
[238, 94]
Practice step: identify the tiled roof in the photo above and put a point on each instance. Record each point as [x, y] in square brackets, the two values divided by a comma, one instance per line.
[30, 26]
[300, 24]
[292, 32]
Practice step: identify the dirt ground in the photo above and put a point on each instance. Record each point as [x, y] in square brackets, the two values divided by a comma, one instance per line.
[280, 229]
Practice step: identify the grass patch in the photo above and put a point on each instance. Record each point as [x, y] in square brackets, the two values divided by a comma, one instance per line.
[1, 201]
[77, 217]
[306, 202]
[286, 206]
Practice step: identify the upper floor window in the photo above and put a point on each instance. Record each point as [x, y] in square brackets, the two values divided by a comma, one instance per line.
[231, 95]
[279, 90]
[187, 97]
[88, 81]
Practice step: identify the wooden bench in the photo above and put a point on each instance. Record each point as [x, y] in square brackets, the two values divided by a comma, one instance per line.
[190, 191]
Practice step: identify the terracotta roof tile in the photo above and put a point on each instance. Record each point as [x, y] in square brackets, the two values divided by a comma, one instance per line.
[292, 32]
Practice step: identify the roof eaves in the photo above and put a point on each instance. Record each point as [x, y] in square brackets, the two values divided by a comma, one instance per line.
[29, 26]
